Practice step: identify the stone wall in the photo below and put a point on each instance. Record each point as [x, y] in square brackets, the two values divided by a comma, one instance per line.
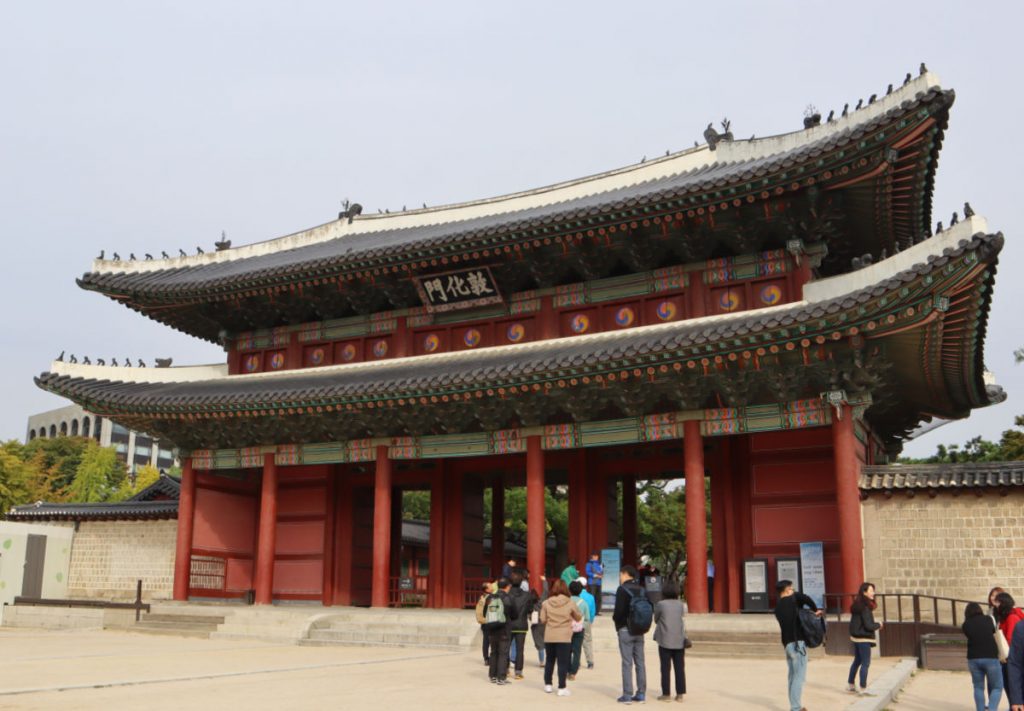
[950, 546]
[107, 557]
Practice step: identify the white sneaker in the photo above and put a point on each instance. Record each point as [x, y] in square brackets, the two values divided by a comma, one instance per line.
[564, 692]
[548, 688]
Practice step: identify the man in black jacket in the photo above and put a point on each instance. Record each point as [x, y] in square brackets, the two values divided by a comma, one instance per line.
[787, 612]
[523, 601]
[498, 634]
[631, 647]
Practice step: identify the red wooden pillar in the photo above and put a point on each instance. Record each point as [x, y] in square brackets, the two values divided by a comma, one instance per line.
[579, 501]
[454, 539]
[497, 526]
[344, 545]
[598, 497]
[732, 556]
[629, 545]
[294, 352]
[435, 550]
[696, 518]
[266, 542]
[381, 529]
[330, 507]
[718, 535]
[186, 519]
[536, 524]
[851, 542]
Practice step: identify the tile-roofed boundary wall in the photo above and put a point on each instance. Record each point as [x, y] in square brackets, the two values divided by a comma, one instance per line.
[952, 530]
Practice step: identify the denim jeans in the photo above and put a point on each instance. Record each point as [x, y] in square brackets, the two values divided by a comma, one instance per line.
[796, 661]
[575, 652]
[631, 649]
[862, 659]
[982, 669]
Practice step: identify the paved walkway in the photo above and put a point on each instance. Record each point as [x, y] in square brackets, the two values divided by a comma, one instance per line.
[938, 691]
[90, 671]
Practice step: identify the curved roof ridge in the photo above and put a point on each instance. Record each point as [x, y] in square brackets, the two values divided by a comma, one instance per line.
[688, 160]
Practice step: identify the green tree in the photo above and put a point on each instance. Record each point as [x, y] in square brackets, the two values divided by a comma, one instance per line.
[145, 477]
[59, 457]
[16, 476]
[416, 505]
[99, 475]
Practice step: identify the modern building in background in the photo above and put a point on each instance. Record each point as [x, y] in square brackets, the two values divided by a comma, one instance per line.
[135, 449]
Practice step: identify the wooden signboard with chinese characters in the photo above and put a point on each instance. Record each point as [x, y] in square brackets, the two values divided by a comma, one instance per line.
[463, 289]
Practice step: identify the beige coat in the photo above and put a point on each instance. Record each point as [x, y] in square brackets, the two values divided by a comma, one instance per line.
[557, 614]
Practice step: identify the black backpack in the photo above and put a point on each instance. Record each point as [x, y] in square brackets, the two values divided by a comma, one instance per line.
[641, 612]
[812, 627]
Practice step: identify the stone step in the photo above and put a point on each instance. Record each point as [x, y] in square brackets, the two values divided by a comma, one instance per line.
[160, 618]
[357, 643]
[172, 625]
[171, 632]
[387, 638]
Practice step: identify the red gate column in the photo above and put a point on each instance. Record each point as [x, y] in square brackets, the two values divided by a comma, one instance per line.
[497, 526]
[267, 533]
[186, 518]
[629, 545]
[696, 518]
[435, 550]
[381, 529]
[535, 522]
[851, 543]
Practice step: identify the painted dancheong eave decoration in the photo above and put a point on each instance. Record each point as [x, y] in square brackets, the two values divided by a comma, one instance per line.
[907, 331]
[868, 174]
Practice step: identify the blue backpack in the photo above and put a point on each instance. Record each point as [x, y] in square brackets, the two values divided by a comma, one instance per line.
[641, 612]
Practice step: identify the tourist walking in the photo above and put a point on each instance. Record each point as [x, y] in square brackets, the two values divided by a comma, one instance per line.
[588, 624]
[1006, 615]
[523, 601]
[862, 634]
[670, 634]
[569, 573]
[576, 649]
[594, 571]
[632, 611]
[498, 613]
[787, 613]
[485, 590]
[982, 657]
[557, 615]
[537, 629]
[711, 582]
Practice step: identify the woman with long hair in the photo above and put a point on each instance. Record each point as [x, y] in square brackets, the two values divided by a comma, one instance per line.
[557, 615]
[982, 657]
[862, 634]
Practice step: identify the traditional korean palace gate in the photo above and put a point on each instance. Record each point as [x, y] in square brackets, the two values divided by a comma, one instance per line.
[761, 317]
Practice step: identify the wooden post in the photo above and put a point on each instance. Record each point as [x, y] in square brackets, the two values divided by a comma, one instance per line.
[381, 578]
[497, 526]
[696, 518]
[718, 545]
[266, 542]
[578, 508]
[629, 544]
[732, 597]
[536, 524]
[435, 550]
[186, 519]
[851, 542]
[344, 545]
[454, 539]
[330, 506]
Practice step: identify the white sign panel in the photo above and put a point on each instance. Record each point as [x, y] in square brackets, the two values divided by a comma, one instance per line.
[812, 566]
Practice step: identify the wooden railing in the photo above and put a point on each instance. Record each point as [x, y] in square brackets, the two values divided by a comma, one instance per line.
[408, 591]
[906, 616]
[138, 605]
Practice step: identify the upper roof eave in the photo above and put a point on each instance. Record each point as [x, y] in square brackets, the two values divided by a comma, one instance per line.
[373, 235]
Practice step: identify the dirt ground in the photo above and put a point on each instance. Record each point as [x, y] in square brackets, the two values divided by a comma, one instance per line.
[88, 671]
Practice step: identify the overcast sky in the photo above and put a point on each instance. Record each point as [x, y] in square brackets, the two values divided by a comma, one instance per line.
[148, 126]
